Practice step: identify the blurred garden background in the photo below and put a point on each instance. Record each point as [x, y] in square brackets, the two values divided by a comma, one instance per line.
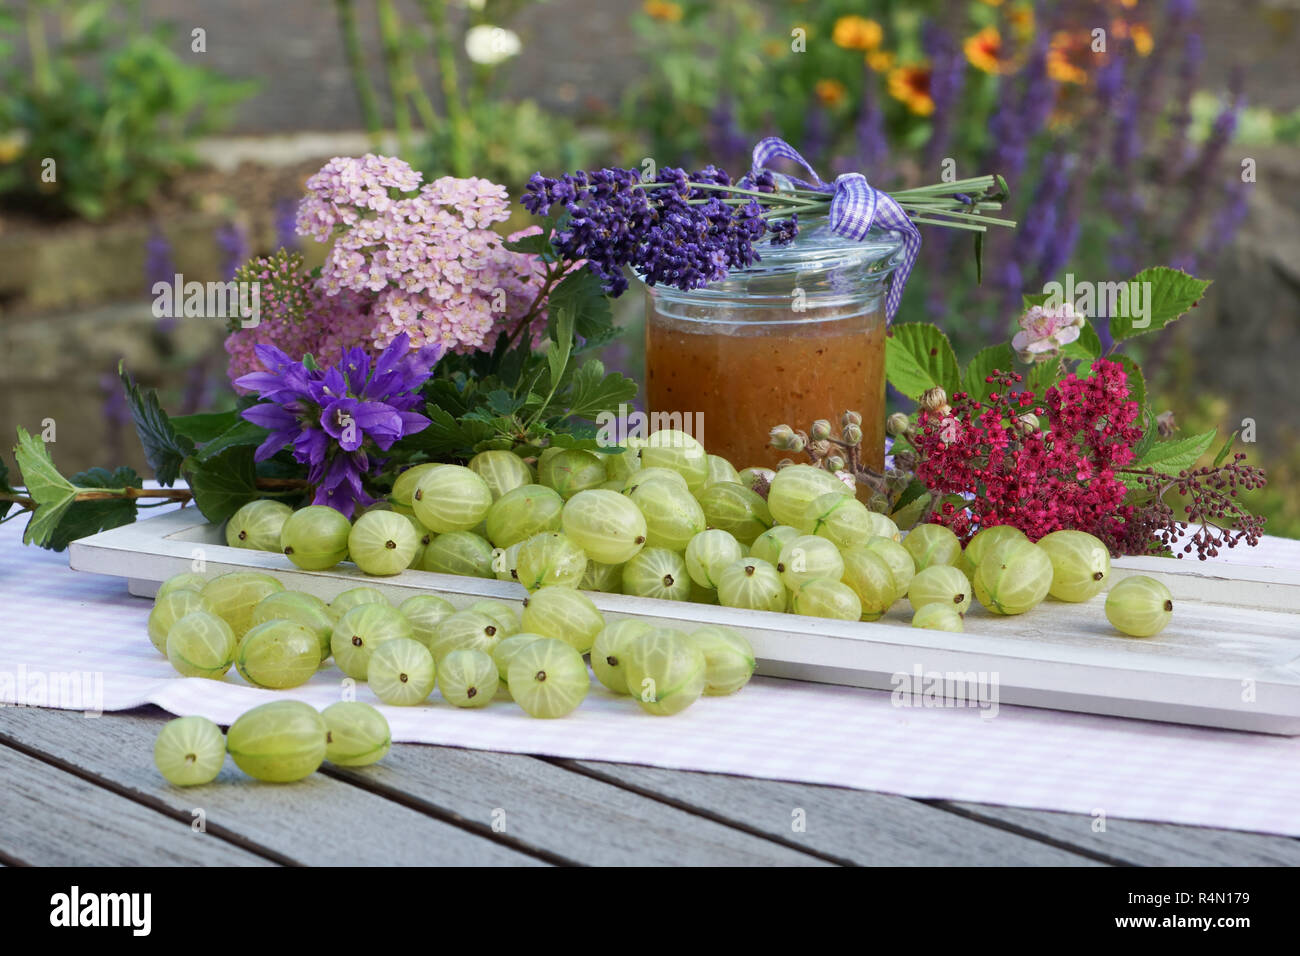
[181, 132]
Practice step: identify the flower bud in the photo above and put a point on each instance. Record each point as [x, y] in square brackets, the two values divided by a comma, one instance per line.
[819, 449]
[835, 463]
[897, 424]
[781, 436]
[784, 463]
[934, 400]
[821, 430]
[850, 418]
[853, 434]
[796, 444]
[1027, 423]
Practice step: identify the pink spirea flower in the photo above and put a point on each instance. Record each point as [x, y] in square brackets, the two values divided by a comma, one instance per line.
[1062, 476]
[1045, 331]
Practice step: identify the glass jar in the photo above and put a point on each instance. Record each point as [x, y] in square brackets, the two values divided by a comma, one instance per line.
[798, 336]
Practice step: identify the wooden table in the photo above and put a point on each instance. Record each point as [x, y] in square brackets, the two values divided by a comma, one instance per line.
[84, 791]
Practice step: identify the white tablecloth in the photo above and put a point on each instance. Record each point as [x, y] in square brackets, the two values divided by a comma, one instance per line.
[61, 624]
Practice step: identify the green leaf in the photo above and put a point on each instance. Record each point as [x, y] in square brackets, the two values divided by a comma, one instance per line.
[557, 356]
[913, 491]
[447, 436]
[1150, 432]
[999, 358]
[1137, 384]
[919, 357]
[1172, 293]
[584, 294]
[909, 514]
[1171, 457]
[224, 483]
[1087, 346]
[1032, 299]
[163, 447]
[242, 433]
[1222, 456]
[594, 392]
[204, 426]
[535, 245]
[52, 492]
[90, 517]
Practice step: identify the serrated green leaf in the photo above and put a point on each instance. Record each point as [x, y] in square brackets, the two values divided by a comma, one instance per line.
[163, 447]
[534, 245]
[919, 357]
[224, 483]
[1222, 456]
[1150, 432]
[243, 432]
[584, 294]
[999, 358]
[907, 515]
[557, 356]
[1086, 347]
[594, 392]
[1035, 298]
[502, 402]
[1172, 293]
[1171, 457]
[90, 517]
[204, 426]
[52, 492]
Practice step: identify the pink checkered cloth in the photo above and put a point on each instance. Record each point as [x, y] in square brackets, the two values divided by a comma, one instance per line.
[59, 621]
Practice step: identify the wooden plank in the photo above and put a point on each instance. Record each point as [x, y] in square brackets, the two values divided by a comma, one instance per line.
[52, 818]
[862, 827]
[1147, 844]
[566, 813]
[319, 821]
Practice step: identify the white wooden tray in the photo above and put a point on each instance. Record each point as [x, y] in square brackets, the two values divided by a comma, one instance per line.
[1230, 658]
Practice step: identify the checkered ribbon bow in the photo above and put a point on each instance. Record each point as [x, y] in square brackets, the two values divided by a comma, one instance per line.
[855, 206]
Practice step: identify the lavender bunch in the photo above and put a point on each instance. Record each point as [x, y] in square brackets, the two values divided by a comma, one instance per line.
[687, 230]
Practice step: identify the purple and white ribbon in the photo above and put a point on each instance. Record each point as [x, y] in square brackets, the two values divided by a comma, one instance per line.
[855, 207]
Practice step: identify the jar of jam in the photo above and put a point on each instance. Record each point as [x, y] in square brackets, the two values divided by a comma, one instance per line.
[798, 336]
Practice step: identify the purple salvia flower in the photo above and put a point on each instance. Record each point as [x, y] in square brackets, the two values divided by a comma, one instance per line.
[232, 237]
[947, 75]
[286, 232]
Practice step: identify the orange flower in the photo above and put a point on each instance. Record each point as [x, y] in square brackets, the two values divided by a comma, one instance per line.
[1068, 57]
[664, 10]
[1142, 40]
[856, 33]
[882, 61]
[984, 51]
[1022, 21]
[830, 92]
[1138, 33]
[911, 85]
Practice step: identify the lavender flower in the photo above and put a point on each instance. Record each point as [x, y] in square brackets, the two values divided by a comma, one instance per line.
[675, 234]
[334, 419]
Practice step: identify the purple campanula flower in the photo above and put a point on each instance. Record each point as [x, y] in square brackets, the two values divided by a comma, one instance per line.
[331, 418]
